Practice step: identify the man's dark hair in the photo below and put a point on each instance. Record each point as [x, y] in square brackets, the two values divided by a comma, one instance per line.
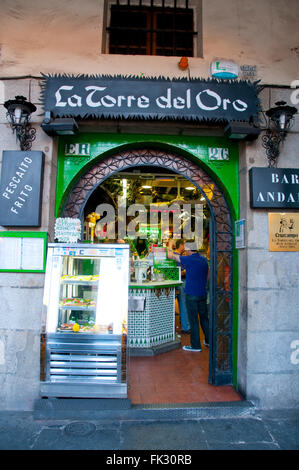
[179, 242]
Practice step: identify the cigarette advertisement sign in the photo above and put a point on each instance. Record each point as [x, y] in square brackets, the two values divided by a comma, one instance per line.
[284, 231]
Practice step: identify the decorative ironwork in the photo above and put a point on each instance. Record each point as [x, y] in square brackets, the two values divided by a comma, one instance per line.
[18, 114]
[271, 142]
[25, 135]
[281, 119]
[221, 239]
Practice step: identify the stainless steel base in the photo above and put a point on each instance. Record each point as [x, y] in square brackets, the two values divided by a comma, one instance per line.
[83, 390]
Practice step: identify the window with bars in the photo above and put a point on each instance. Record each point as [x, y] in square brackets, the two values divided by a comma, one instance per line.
[152, 28]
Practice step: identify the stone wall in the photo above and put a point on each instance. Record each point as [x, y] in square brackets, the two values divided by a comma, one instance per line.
[269, 289]
[22, 294]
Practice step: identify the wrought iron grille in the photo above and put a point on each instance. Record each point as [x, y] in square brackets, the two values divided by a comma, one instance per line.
[221, 239]
[151, 28]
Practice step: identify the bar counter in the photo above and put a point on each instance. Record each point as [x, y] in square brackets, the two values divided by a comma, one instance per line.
[151, 317]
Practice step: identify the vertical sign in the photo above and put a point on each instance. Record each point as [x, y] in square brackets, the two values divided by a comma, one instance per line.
[240, 233]
[21, 188]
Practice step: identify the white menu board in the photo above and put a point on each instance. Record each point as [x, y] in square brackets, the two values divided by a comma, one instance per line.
[32, 254]
[10, 253]
[22, 253]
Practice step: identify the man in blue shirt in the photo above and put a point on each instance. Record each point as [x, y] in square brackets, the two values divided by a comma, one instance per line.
[197, 270]
[185, 326]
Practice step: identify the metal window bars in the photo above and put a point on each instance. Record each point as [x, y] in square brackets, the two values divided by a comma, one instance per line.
[151, 28]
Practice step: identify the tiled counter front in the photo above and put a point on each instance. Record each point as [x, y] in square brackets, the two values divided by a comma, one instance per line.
[154, 325]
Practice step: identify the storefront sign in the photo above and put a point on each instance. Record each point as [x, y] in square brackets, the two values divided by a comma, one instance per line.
[274, 188]
[67, 230]
[21, 188]
[284, 231]
[134, 97]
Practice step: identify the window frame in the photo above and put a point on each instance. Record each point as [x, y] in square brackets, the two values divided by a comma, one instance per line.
[196, 6]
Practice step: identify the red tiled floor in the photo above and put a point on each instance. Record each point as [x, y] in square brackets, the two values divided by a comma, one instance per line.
[175, 377]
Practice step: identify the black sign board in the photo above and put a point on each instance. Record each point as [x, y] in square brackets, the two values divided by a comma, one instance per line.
[274, 188]
[21, 188]
[156, 98]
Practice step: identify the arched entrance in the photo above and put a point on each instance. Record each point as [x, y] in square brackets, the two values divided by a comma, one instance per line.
[221, 239]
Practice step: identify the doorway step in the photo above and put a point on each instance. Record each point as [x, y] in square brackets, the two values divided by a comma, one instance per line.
[118, 409]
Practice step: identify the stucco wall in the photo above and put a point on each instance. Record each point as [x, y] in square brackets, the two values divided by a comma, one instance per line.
[59, 36]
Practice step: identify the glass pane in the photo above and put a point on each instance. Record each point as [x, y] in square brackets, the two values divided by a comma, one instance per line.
[78, 294]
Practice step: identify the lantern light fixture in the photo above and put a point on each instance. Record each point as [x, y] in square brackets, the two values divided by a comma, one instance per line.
[18, 115]
[280, 121]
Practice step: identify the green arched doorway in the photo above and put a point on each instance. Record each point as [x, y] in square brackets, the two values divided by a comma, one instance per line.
[221, 239]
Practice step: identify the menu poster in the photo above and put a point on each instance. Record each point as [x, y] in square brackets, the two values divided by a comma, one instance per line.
[10, 253]
[283, 231]
[67, 229]
[22, 253]
[32, 254]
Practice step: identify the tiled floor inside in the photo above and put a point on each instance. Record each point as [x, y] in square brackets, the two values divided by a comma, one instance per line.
[177, 376]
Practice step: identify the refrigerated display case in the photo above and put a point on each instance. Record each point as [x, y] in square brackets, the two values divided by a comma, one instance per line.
[84, 330]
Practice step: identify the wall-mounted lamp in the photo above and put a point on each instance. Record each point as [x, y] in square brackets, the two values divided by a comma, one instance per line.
[281, 119]
[241, 131]
[18, 115]
[59, 126]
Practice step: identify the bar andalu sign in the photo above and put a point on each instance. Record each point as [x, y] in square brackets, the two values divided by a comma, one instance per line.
[274, 188]
[156, 98]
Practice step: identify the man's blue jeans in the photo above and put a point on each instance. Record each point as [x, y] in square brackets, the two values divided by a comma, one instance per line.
[183, 308]
[197, 306]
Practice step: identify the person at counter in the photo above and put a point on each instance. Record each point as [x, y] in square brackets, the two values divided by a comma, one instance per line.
[197, 270]
[179, 246]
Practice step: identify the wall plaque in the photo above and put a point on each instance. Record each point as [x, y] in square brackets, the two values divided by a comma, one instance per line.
[284, 231]
[21, 188]
[274, 188]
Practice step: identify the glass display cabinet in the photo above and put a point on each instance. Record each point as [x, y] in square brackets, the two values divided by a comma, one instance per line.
[84, 327]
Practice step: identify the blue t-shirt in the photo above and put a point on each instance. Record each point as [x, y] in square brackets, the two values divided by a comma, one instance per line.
[196, 274]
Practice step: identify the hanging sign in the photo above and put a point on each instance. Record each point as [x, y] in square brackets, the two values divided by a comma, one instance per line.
[274, 188]
[21, 188]
[283, 231]
[156, 98]
[67, 230]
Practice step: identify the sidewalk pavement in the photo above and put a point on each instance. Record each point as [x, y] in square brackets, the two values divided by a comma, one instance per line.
[253, 430]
